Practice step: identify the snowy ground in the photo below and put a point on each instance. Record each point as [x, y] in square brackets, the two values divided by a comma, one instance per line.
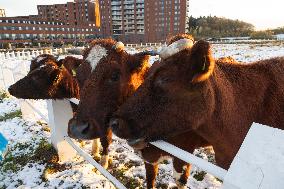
[30, 163]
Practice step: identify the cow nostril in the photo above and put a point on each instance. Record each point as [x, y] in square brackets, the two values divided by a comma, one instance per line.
[84, 128]
[10, 89]
[114, 124]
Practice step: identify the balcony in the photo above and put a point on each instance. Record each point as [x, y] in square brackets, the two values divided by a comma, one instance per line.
[140, 22]
[116, 3]
[117, 23]
[140, 17]
[116, 8]
[140, 6]
[128, 7]
[128, 2]
[129, 12]
[116, 13]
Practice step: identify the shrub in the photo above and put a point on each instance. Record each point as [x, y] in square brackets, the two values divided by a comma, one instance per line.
[261, 35]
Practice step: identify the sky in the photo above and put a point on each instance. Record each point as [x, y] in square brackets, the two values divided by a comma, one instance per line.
[262, 14]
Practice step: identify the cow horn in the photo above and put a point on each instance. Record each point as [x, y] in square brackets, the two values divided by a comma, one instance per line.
[119, 46]
[175, 47]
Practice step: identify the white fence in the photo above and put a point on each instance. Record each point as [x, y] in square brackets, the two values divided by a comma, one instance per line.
[144, 45]
[59, 113]
[27, 55]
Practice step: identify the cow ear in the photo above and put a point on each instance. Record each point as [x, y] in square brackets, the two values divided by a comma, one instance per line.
[201, 61]
[60, 62]
[138, 61]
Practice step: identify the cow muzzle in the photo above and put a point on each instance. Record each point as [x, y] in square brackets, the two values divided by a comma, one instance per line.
[80, 130]
[124, 130]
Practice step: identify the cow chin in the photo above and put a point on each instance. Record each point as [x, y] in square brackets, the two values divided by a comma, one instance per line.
[137, 144]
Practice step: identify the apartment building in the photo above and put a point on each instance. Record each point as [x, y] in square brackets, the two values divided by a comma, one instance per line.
[138, 21]
[29, 29]
[164, 18]
[73, 21]
[77, 12]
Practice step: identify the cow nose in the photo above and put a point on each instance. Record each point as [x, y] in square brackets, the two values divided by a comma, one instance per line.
[75, 127]
[11, 90]
[114, 124]
[83, 128]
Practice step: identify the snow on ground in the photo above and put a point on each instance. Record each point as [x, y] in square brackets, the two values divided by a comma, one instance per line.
[249, 52]
[22, 169]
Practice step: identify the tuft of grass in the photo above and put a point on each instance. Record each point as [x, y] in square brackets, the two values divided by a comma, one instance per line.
[128, 182]
[199, 176]
[44, 153]
[45, 127]
[11, 115]
[161, 185]
[3, 95]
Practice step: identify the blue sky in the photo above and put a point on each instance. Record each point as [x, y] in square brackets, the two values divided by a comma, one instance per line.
[261, 13]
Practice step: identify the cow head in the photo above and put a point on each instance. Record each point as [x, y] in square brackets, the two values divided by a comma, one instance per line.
[174, 98]
[47, 79]
[115, 75]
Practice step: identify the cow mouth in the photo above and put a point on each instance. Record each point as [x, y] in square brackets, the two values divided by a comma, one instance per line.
[137, 144]
[84, 131]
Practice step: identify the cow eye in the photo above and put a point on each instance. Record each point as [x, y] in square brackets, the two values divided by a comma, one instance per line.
[162, 81]
[115, 76]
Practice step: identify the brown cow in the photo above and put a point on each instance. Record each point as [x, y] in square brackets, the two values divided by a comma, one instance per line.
[116, 75]
[189, 91]
[48, 79]
[70, 74]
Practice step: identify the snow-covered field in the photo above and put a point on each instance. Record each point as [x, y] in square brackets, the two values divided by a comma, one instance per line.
[30, 161]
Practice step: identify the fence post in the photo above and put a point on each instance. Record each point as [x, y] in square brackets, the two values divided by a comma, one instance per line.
[27, 111]
[18, 54]
[59, 113]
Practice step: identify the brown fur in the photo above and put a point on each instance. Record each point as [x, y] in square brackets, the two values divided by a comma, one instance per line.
[218, 101]
[48, 79]
[227, 60]
[101, 96]
[71, 64]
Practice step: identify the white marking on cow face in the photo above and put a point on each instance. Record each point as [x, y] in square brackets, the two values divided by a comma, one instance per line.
[175, 48]
[95, 55]
[42, 66]
[38, 59]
